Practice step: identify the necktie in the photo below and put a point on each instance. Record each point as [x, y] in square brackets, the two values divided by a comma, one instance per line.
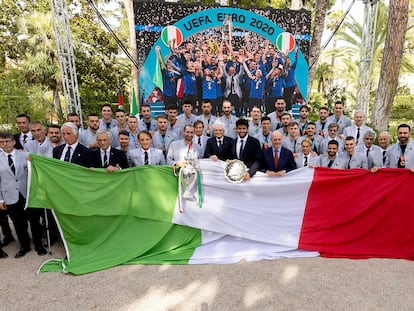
[199, 141]
[241, 149]
[220, 146]
[349, 162]
[367, 152]
[105, 159]
[330, 163]
[358, 133]
[306, 161]
[24, 138]
[383, 157]
[276, 159]
[232, 85]
[11, 164]
[67, 155]
[145, 157]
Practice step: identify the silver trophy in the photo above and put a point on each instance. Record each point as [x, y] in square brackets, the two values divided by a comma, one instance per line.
[234, 171]
[188, 176]
[227, 28]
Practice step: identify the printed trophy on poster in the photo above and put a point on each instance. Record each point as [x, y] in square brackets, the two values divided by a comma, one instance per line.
[227, 29]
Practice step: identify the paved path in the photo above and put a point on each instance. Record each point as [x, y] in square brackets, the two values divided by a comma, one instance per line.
[285, 284]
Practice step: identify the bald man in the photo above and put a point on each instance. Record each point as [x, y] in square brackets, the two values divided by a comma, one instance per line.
[278, 160]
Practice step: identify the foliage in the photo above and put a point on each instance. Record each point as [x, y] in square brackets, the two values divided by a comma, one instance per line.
[403, 107]
[338, 67]
[28, 59]
[17, 96]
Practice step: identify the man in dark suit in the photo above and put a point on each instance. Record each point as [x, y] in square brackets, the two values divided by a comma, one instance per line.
[23, 122]
[219, 146]
[72, 151]
[278, 160]
[246, 148]
[105, 156]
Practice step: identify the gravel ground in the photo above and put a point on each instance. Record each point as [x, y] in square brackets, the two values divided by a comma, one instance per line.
[285, 284]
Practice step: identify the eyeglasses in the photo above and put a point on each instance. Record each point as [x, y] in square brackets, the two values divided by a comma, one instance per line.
[5, 142]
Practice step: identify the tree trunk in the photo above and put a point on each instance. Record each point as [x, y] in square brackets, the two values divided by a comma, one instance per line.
[391, 61]
[129, 9]
[56, 102]
[321, 7]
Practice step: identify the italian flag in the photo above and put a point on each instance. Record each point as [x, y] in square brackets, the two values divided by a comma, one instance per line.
[285, 42]
[132, 216]
[169, 33]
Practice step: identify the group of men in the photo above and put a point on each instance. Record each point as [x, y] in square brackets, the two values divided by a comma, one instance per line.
[247, 75]
[274, 144]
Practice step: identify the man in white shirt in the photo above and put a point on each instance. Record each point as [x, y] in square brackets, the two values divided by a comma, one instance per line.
[180, 149]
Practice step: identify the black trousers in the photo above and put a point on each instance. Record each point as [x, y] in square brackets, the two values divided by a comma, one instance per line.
[236, 103]
[20, 218]
[287, 94]
[4, 224]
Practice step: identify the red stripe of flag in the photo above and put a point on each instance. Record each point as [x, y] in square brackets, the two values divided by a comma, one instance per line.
[365, 215]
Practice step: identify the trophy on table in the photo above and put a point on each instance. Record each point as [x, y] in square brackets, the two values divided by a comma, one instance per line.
[189, 180]
[188, 176]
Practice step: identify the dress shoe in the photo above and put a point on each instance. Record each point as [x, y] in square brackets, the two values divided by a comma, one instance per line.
[7, 240]
[23, 251]
[3, 254]
[41, 251]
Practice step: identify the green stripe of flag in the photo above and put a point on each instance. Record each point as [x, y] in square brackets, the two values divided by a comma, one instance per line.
[109, 219]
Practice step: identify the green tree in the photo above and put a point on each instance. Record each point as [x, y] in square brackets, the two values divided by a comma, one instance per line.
[347, 55]
[40, 64]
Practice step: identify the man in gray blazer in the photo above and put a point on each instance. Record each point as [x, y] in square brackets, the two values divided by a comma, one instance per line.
[228, 120]
[372, 152]
[199, 137]
[162, 138]
[54, 140]
[145, 155]
[358, 129]
[331, 158]
[307, 157]
[332, 135]
[39, 137]
[339, 118]
[351, 158]
[401, 154]
[88, 136]
[13, 193]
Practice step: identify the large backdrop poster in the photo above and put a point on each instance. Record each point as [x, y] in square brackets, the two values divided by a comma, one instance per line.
[207, 26]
